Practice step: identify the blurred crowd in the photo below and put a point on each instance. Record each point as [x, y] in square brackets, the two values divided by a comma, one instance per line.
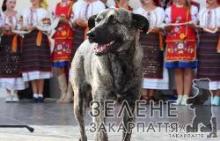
[183, 39]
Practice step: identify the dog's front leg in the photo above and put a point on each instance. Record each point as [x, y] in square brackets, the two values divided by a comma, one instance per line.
[127, 122]
[98, 110]
[79, 111]
[129, 116]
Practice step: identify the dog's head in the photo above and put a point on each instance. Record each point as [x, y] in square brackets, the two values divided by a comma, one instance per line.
[112, 29]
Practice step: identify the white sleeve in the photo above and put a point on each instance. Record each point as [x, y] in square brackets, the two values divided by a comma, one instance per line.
[199, 14]
[218, 16]
[99, 8]
[18, 16]
[161, 13]
[137, 11]
[53, 12]
[110, 3]
[194, 14]
[44, 14]
[73, 15]
[50, 16]
[200, 18]
[26, 18]
[1, 20]
[168, 15]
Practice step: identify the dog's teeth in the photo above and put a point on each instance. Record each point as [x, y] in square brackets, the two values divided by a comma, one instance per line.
[103, 48]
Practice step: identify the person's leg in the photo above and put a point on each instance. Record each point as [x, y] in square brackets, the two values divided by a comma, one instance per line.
[151, 94]
[40, 87]
[8, 96]
[188, 77]
[179, 84]
[14, 96]
[145, 94]
[34, 90]
[62, 82]
[69, 94]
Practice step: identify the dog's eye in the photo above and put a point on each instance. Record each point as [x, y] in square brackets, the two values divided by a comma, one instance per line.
[98, 19]
[112, 19]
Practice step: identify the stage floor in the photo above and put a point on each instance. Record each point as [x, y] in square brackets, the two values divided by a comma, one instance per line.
[55, 122]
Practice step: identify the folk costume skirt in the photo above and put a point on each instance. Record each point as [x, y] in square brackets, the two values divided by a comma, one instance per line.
[209, 59]
[155, 75]
[36, 60]
[10, 58]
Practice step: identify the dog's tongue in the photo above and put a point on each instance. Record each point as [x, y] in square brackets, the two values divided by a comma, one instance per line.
[102, 48]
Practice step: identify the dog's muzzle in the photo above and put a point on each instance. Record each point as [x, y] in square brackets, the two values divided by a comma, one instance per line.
[101, 47]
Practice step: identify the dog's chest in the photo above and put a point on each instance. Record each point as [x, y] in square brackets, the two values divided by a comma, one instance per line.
[123, 72]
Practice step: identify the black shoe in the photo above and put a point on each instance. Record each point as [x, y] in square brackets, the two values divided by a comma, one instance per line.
[35, 100]
[40, 100]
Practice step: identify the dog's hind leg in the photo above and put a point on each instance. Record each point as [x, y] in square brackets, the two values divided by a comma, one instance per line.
[99, 120]
[79, 110]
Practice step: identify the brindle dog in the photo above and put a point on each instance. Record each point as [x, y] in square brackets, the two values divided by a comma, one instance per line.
[108, 66]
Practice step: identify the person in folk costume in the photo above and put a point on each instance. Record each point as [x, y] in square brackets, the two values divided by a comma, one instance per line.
[195, 3]
[123, 4]
[82, 11]
[167, 3]
[181, 43]
[155, 76]
[164, 3]
[36, 61]
[10, 51]
[108, 3]
[209, 47]
[63, 49]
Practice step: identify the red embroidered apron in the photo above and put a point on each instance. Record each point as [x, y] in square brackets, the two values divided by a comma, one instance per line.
[63, 36]
[181, 40]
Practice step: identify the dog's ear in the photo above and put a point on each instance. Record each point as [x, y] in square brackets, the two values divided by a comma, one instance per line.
[140, 22]
[91, 21]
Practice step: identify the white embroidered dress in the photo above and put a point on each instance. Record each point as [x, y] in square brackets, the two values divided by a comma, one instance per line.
[34, 18]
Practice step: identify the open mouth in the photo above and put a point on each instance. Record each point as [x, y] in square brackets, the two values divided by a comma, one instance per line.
[103, 48]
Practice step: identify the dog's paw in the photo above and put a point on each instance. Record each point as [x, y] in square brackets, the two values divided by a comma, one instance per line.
[83, 139]
[206, 129]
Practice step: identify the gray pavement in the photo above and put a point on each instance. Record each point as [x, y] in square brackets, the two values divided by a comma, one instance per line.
[55, 122]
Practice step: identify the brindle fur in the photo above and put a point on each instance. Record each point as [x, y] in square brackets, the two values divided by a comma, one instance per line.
[116, 74]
